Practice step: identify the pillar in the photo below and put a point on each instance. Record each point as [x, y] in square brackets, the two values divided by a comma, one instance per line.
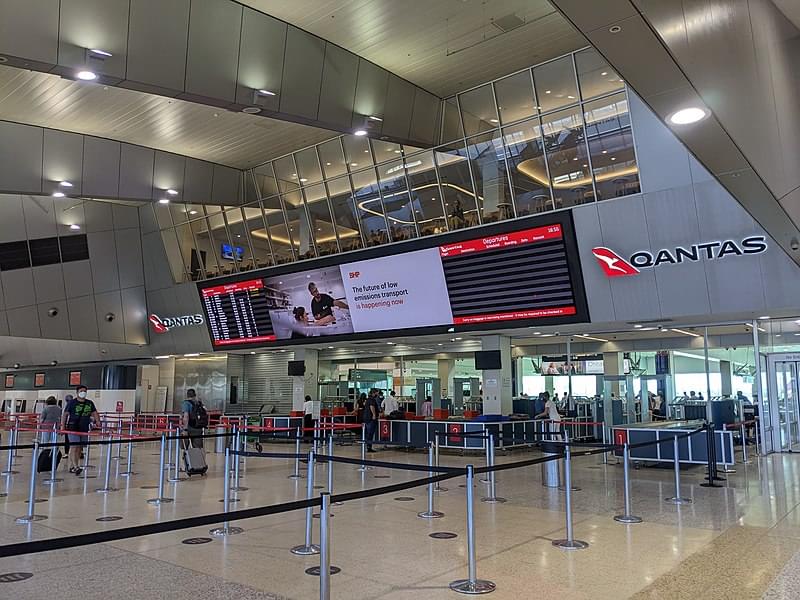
[306, 385]
[613, 364]
[446, 368]
[497, 398]
[725, 376]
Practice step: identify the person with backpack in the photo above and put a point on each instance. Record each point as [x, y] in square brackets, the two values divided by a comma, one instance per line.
[77, 418]
[194, 418]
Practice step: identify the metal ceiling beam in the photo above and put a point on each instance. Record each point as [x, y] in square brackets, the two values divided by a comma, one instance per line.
[684, 54]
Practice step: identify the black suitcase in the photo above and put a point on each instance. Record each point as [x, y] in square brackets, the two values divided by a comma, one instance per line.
[45, 461]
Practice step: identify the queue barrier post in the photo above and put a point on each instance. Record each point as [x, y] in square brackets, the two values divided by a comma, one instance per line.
[605, 438]
[296, 474]
[756, 434]
[107, 482]
[12, 442]
[307, 548]
[162, 458]
[430, 513]
[569, 543]
[492, 497]
[627, 517]
[563, 465]
[226, 528]
[176, 464]
[488, 460]
[325, 545]
[363, 468]
[472, 585]
[31, 516]
[168, 464]
[676, 499]
[54, 451]
[743, 434]
[237, 442]
[118, 456]
[129, 467]
[87, 450]
[437, 486]
[712, 476]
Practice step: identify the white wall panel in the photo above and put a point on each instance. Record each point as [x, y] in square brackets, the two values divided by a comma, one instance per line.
[373, 82]
[100, 24]
[338, 86]
[62, 161]
[20, 158]
[302, 73]
[82, 318]
[18, 288]
[101, 167]
[29, 29]
[77, 278]
[168, 173]
[40, 220]
[48, 283]
[129, 257]
[103, 257]
[261, 54]
[23, 322]
[98, 216]
[135, 172]
[12, 218]
[108, 304]
[55, 327]
[134, 313]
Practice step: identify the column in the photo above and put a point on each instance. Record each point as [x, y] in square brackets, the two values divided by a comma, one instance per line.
[446, 368]
[306, 385]
[497, 398]
[613, 366]
[725, 375]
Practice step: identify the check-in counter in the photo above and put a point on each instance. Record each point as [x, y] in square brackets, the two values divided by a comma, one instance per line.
[691, 450]
[462, 435]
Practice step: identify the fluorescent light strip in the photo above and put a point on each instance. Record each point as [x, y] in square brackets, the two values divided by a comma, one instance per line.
[588, 337]
[686, 332]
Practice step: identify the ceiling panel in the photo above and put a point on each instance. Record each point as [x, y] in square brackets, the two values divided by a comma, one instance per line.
[443, 46]
[230, 138]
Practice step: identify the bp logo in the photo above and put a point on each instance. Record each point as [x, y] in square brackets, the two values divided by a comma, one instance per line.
[164, 324]
[614, 265]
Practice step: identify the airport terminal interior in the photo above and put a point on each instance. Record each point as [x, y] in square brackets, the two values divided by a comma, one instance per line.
[361, 299]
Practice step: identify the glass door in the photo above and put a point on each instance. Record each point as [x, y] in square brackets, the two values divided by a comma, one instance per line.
[786, 394]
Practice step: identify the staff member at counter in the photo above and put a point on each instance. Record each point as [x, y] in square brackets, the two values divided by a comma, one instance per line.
[322, 305]
[550, 412]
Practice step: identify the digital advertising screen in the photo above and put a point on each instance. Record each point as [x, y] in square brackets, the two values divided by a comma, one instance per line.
[524, 272]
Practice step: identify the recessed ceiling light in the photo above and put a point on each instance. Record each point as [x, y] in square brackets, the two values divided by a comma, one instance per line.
[252, 352]
[374, 118]
[251, 110]
[192, 212]
[101, 52]
[397, 151]
[327, 164]
[65, 184]
[687, 116]
[58, 194]
[764, 317]
[604, 73]
[576, 158]
[303, 180]
[353, 164]
[163, 201]
[266, 93]
[547, 91]
[74, 227]
[191, 354]
[330, 347]
[585, 166]
[571, 97]
[613, 158]
[637, 326]
[360, 132]
[493, 121]
[172, 192]
[605, 152]
[86, 75]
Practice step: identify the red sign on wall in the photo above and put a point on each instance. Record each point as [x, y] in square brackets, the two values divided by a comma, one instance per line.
[455, 428]
[386, 430]
[620, 436]
[269, 423]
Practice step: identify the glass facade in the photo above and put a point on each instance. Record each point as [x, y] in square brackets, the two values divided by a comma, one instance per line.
[549, 137]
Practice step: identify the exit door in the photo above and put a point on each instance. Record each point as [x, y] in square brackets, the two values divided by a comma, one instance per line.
[783, 394]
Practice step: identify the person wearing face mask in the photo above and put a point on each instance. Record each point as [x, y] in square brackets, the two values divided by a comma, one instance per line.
[78, 417]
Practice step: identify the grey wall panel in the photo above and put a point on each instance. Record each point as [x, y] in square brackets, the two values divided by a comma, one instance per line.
[135, 172]
[260, 58]
[338, 86]
[29, 29]
[77, 278]
[598, 287]
[663, 161]
[425, 117]
[125, 216]
[109, 303]
[779, 280]
[20, 157]
[12, 218]
[48, 283]
[82, 318]
[40, 220]
[18, 288]
[56, 327]
[214, 29]
[198, 181]
[3, 323]
[302, 73]
[399, 105]
[101, 167]
[24, 322]
[62, 161]
[156, 48]
[370, 91]
[147, 218]
[682, 288]
[99, 216]
[134, 313]
[168, 173]
[225, 188]
[101, 24]
[129, 257]
[157, 274]
[103, 256]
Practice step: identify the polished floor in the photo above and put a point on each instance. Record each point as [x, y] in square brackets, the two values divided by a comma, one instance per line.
[741, 540]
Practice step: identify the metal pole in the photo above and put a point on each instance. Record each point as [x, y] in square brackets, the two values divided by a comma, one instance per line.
[31, 516]
[430, 513]
[176, 473]
[171, 428]
[492, 483]
[12, 441]
[107, 483]
[308, 548]
[162, 457]
[709, 417]
[569, 374]
[129, 468]
[53, 459]
[363, 467]
[119, 436]
[605, 441]
[471, 585]
[87, 451]
[437, 487]
[762, 401]
[325, 546]
[743, 433]
[330, 464]
[296, 474]
[487, 478]
[757, 432]
[569, 543]
[676, 499]
[627, 517]
[237, 440]
[226, 529]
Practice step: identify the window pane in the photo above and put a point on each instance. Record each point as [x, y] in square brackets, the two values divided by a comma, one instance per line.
[180, 212]
[567, 158]
[344, 213]
[489, 171]
[163, 215]
[611, 146]
[308, 166]
[356, 151]
[385, 151]
[173, 252]
[219, 237]
[525, 152]
[451, 121]
[396, 200]
[188, 250]
[515, 97]
[321, 222]
[555, 83]
[459, 197]
[478, 110]
[330, 153]
[368, 204]
[205, 247]
[265, 179]
[426, 194]
[595, 75]
[242, 253]
[278, 232]
[286, 174]
[299, 227]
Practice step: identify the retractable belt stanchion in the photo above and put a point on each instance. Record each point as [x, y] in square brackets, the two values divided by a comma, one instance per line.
[471, 585]
[168, 464]
[226, 528]
[31, 516]
[296, 474]
[176, 465]
[712, 460]
[237, 440]
[605, 437]
[330, 465]
[437, 487]
[363, 467]
[567, 484]
[430, 513]
[87, 450]
[119, 436]
[107, 483]
[570, 543]
[492, 497]
[162, 457]
[129, 466]
[627, 517]
[676, 499]
[54, 451]
[325, 546]
[743, 434]
[308, 548]
[486, 478]
[756, 435]
[12, 442]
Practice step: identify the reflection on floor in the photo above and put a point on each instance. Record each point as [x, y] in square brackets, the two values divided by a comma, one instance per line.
[741, 540]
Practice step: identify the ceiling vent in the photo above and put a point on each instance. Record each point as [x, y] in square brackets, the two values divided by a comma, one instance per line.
[508, 23]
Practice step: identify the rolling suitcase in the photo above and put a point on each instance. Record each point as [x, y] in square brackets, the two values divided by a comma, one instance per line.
[194, 460]
[45, 460]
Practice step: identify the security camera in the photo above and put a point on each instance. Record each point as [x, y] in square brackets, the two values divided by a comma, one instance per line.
[795, 244]
[52, 311]
[661, 328]
[110, 317]
[53, 363]
[17, 365]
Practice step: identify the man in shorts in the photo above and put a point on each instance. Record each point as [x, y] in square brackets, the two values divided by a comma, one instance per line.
[77, 417]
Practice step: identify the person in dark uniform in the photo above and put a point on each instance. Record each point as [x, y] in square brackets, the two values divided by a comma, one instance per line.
[322, 306]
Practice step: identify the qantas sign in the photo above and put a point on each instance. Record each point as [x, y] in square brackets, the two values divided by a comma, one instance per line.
[614, 265]
[164, 324]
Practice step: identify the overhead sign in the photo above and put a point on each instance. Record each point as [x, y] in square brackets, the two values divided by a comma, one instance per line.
[614, 265]
[164, 324]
